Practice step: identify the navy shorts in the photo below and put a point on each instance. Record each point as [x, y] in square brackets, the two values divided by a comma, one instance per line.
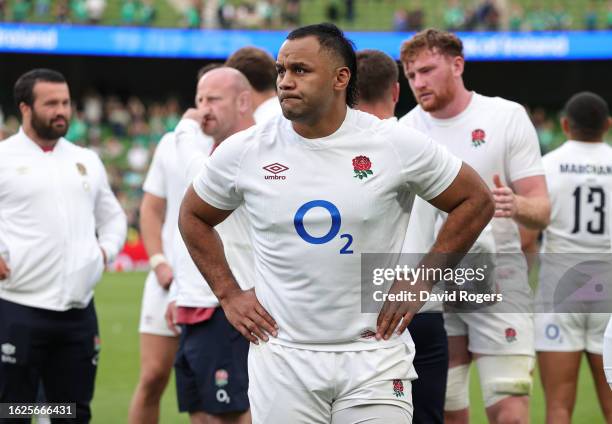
[59, 349]
[431, 364]
[211, 367]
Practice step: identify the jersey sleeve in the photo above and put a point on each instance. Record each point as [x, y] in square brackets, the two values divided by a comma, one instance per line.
[155, 182]
[217, 184]
[426, 166]
[524, 158]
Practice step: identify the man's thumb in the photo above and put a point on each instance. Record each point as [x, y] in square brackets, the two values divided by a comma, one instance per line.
[497, 181]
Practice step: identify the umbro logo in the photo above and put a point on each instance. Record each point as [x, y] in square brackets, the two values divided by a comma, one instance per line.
[275, 168]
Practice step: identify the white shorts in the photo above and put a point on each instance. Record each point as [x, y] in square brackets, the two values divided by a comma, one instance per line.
[570, 332]
[493, 333]
[299, 386]
[154, 304]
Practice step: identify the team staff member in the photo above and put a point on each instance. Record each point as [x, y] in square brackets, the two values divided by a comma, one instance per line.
[496, 137]
[54, 199]
[378, 94]
[294, 175]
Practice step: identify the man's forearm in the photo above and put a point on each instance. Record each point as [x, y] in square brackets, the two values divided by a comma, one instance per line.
[206, 250]
[151, 226]
[532, 212]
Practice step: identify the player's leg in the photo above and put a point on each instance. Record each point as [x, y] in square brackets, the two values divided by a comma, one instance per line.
[560, 341]
[217, 355]
[19, 364]
[372, 414]
[607, 353]
[457, 401]
[380, 378]
[559, 375]
[431, 364]
[594, 346]
[70, 367]
[290, 385]
[156, 358]
[158, 346]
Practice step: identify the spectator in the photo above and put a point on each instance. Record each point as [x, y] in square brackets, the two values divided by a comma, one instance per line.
[146, 14]
[590, 17]
[192, 15]
[332, 11]
[21, 10]
[349, 10]
[538, 18]
[400, 20]
[42, 8]
[2, 10]
[561, 20]
[515, 19]
[416, 18]
[128, 12]
[291, 13]
[95, 10]
[609, 15]
[454, 16]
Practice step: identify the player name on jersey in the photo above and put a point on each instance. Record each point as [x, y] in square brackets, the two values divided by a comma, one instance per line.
[573, 168]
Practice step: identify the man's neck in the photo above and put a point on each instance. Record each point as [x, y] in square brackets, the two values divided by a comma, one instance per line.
[44, 144]
[242, 125]
[326, 124]
[459, 103]
[380, 110]
[260, 97]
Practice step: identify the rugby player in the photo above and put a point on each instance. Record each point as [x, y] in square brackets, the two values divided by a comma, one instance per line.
[496, 137]
[321, 185]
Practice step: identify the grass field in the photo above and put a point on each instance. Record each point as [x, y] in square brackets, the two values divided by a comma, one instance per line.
[118, 303]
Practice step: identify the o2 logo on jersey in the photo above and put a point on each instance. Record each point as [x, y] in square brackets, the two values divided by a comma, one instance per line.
[336, 223]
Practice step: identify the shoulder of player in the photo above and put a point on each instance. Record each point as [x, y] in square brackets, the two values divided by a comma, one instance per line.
[499, 104]
[7, 145]
[80, 153]
[414, 115]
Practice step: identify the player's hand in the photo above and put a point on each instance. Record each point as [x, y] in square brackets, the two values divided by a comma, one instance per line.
[171, 317]
[194, 114]
[246, 314]
[5, 271]
[164, 275]
[396, 315]
[505, 199]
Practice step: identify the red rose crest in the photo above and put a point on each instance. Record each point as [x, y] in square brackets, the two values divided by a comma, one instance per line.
[510, 334]
[478, 137]
[398, 388]
[361, 167]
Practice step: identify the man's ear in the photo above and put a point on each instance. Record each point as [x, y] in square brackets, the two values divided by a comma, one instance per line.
[343, 76]
[395, 92]
[24, 109]
[245, 102]
[458, 65]
[565, 126]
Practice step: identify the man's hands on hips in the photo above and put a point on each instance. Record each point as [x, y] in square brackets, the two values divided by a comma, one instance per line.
[171, 318]
[246, 314]
[5, 271]
[164, 275]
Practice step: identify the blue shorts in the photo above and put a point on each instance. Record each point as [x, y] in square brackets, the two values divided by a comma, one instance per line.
[211, 367]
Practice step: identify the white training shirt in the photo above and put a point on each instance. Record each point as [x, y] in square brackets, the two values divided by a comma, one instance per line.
[192, 290]
[579, 179]
[166, 179]
[51, 207]
[494, 136]
[268, 109]
[311, 216]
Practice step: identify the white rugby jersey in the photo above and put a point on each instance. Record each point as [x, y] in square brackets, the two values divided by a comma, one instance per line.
[166, 179]
[314, 206]
[494, 136]
[52, 204]
[191, 287]
[579, 178]
[268, 109]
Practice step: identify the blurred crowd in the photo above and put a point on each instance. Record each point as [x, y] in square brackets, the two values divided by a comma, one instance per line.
[412, 15]
[125, 132]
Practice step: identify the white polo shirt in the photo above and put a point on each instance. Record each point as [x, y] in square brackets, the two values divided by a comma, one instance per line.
[52, 204]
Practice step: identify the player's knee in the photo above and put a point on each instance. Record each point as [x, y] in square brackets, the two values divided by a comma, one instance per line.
[504, 376]
[154, 380]
[457, 388]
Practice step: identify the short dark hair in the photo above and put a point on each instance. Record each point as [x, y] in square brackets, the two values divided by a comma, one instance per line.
[587, 114]
[378, 73]
[256, 65]
[442, 42]
[206, 68]
[23, 92]
[332, 38]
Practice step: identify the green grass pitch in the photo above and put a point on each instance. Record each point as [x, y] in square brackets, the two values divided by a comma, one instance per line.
[118, 299]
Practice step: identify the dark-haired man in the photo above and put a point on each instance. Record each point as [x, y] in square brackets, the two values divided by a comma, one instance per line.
[321, 185]
[378, 94]
[579, 184]
[259, 69]
[496, 137]
[54, 199]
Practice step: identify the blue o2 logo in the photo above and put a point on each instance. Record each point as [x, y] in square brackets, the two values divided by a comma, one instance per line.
[552, 331]
[336, 222]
